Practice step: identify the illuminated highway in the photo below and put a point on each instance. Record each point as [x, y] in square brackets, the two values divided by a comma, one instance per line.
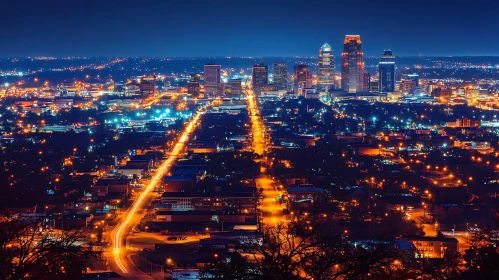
[273, 211]
[119, 260]
[257, 127]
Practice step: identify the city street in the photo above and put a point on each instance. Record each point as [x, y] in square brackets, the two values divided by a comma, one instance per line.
[177, 140]
[119, 261]
[271, 209]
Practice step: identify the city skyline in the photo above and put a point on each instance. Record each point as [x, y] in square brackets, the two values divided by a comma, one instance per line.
[118, 28]
[279, 140]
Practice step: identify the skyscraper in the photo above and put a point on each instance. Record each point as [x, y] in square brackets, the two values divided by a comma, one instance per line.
[193, 86]
[234, 88]
[367, 82]
[352, 65]
[280, 74]
[148, 85]
[386, 68]
[325, 69]
[212, 81]
[301, 78]
[260, 77]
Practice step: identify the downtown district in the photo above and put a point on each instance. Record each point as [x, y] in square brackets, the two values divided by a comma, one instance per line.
[170, 174]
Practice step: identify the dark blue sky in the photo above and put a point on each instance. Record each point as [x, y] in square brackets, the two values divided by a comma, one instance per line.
[246, 28]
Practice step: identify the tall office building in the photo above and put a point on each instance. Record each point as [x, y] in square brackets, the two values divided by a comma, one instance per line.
[280, 74]
[194, 85]
[234, 88]
[367, 82]
[301, 78]
[260, 77]
[374, 87]
[148, 85]
[212, 80]
[352, 65]
[386, 69]
[325, 69]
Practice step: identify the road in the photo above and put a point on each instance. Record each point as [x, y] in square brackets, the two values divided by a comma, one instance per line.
[273, 211]
[257, 126]
[119, 261]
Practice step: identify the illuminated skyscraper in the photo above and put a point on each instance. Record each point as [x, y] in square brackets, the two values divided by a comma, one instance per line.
[386, 69]
[325, 69]
[301, 78]
[280, 74]
[352, 65]
[212, 80]
[260, 77]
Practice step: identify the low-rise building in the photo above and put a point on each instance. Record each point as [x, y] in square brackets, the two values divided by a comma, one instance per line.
[131, 172]
[299, 193]
[200, 216]
[433, 247]
[116, 186]
[242, 202]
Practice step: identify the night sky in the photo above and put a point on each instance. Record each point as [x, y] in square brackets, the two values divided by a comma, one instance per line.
[246, 28]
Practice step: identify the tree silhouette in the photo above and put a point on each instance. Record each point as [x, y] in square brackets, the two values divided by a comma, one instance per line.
[29, 251]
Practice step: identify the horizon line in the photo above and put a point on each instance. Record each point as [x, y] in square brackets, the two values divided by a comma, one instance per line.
[221, 56]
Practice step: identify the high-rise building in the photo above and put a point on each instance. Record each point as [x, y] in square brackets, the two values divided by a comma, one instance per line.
[194, 85]
[280, 74]
[366, 82]
[374, 87]
[212, 79]
[414, 77]
[260, 77]
[386, 69]
[194, 89]
[234, 88]
[352, 65]
[325, 69]
[148, 85]
[301, 78]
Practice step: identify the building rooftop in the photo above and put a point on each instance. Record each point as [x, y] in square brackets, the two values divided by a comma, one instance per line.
[304, 189]
[112, 181]
[196, 212]
[430, 238]
[208, 194]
